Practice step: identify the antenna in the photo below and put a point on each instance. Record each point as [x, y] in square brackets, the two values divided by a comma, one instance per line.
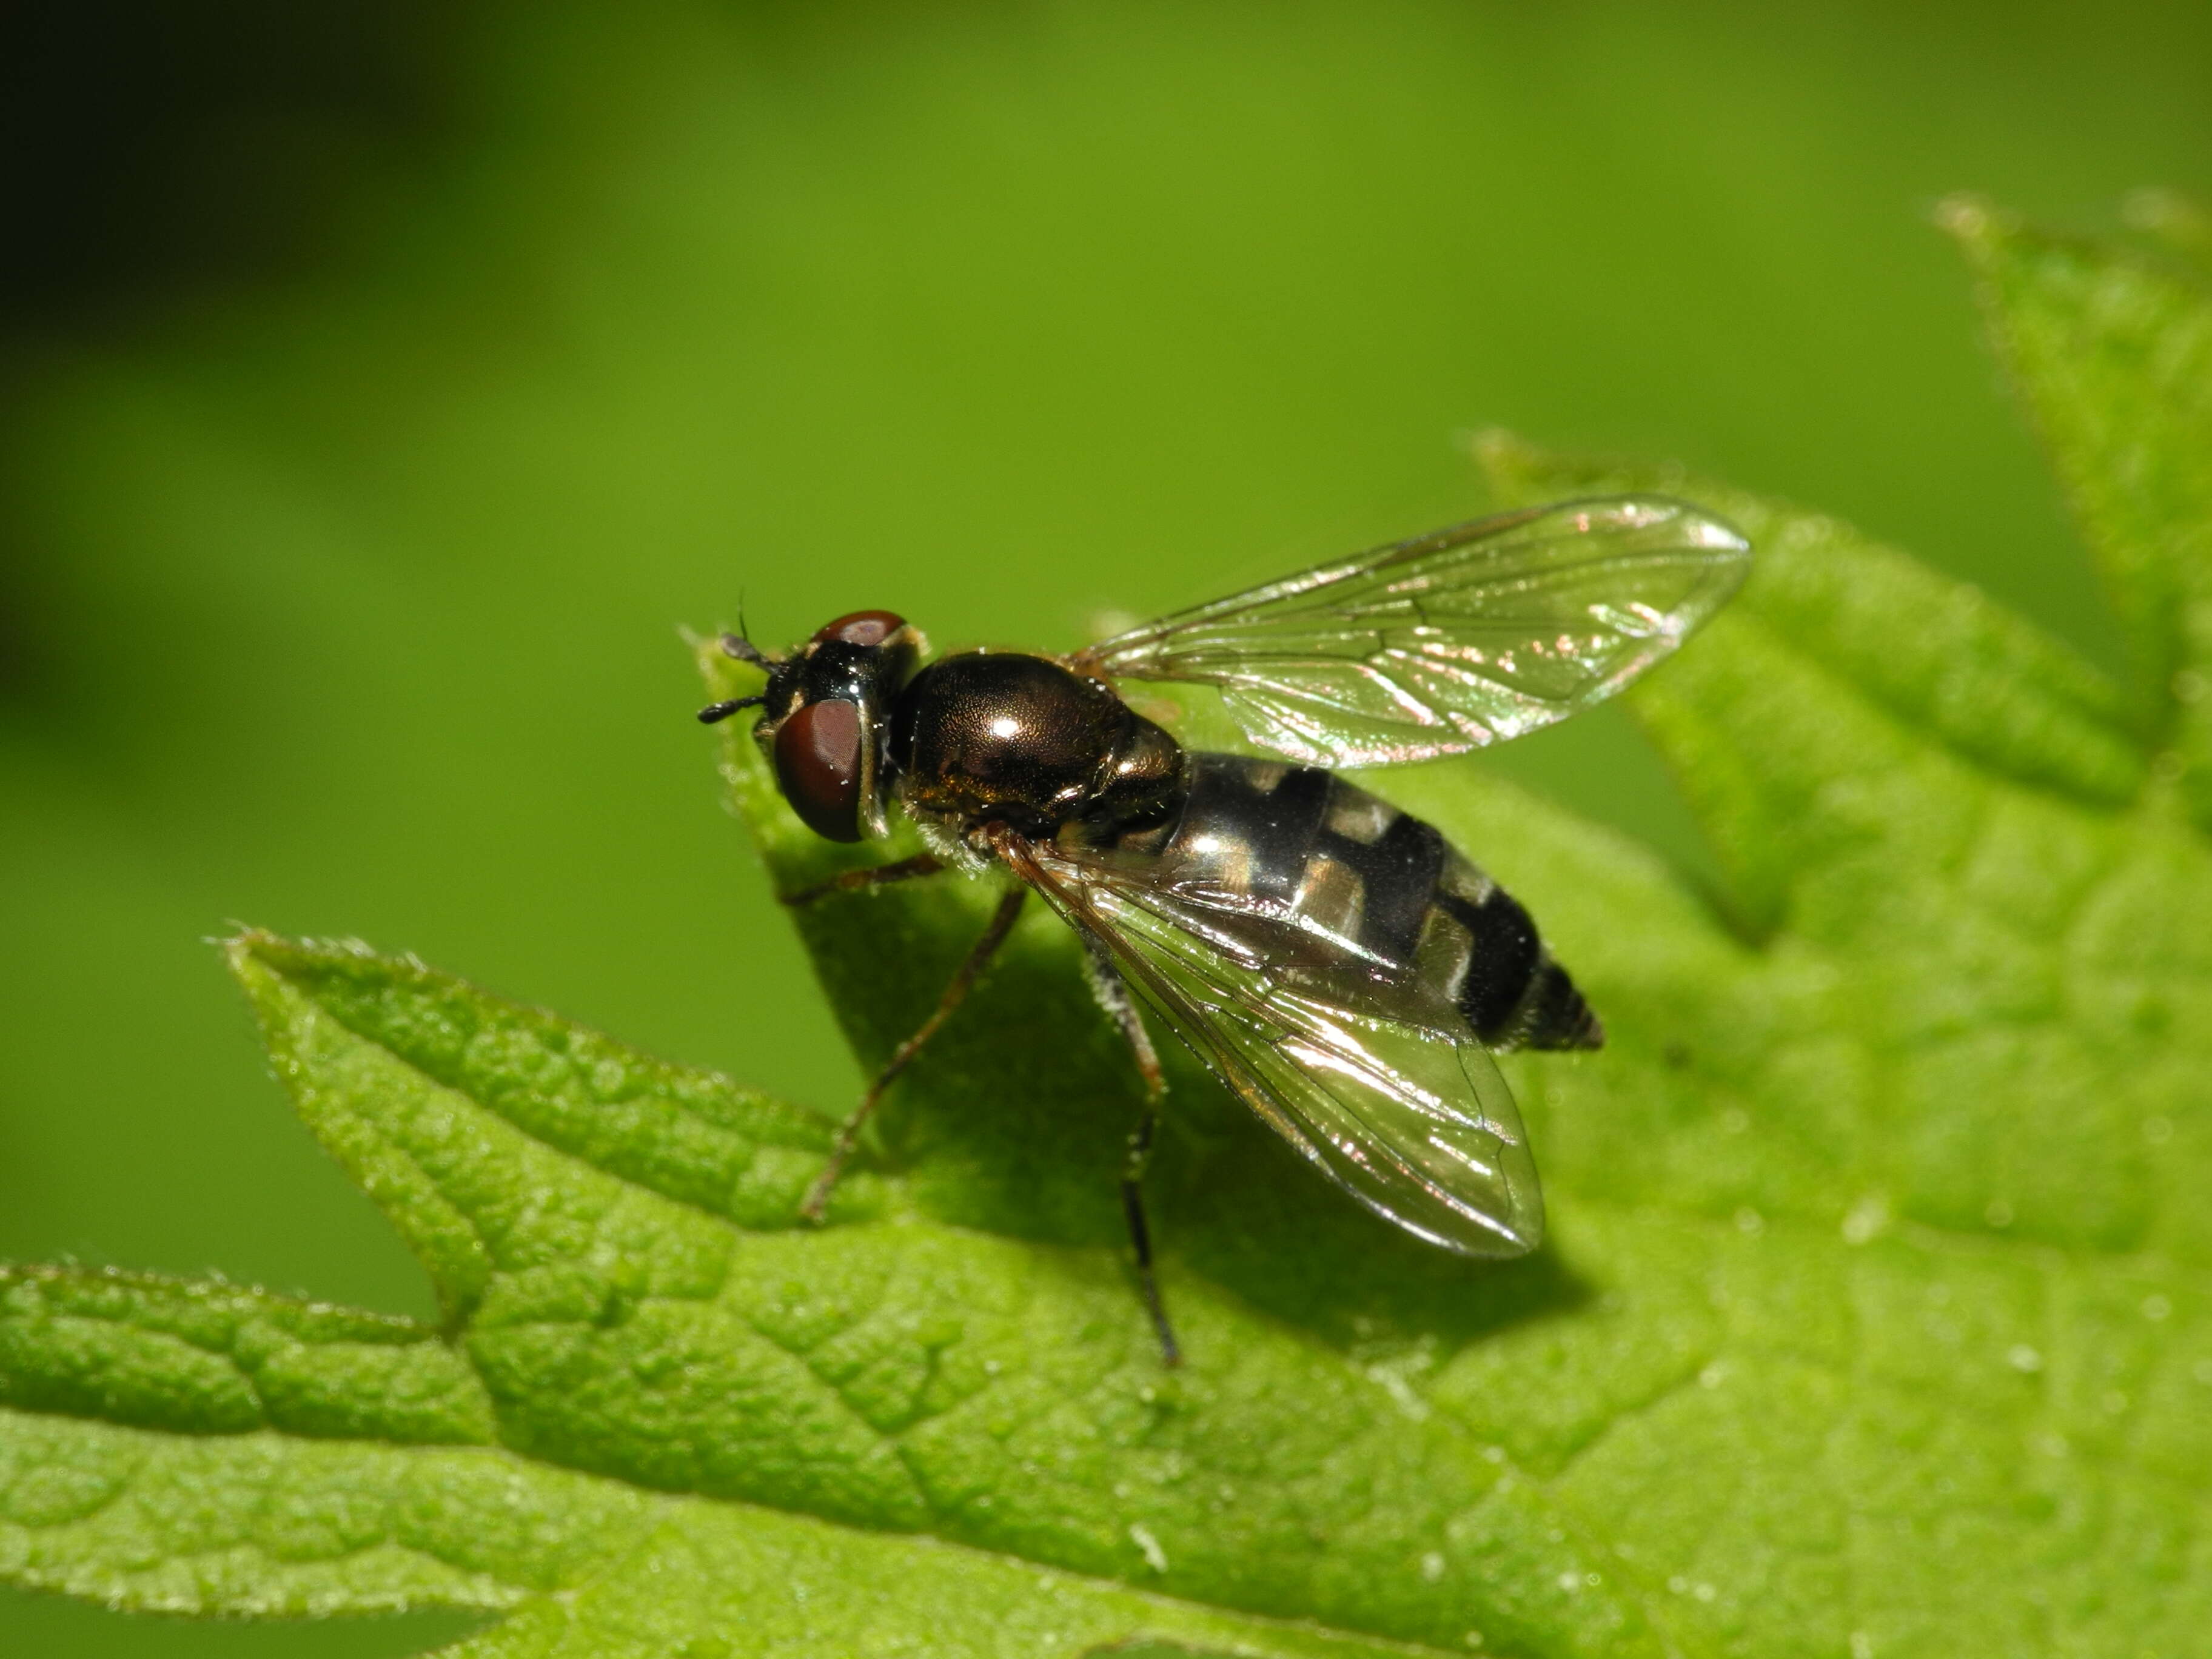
[737, 646]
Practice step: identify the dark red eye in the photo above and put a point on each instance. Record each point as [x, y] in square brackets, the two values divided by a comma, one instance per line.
[817, 767]
[863, 627]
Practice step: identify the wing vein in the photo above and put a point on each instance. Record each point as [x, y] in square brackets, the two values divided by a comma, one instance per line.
[1451, 641]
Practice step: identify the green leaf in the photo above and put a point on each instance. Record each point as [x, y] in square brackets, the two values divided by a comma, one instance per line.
[700, 1421]
[1874, 1320]
[2113, 351]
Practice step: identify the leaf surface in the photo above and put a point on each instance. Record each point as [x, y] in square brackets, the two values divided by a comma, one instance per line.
[2113, 353]
[1875, 1318]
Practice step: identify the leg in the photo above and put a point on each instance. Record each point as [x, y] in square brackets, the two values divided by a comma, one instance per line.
[1113, 995]
[1002, 923]
[1141, 1237]
[881, 875]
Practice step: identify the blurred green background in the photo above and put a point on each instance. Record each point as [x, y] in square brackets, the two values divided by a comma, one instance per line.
[384, 385]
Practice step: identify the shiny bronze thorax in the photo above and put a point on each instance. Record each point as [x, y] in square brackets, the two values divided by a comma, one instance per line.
[1000, 736]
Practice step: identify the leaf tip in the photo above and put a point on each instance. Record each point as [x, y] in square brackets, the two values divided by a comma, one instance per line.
[260, 961]
[246, 952]
[1979, 226]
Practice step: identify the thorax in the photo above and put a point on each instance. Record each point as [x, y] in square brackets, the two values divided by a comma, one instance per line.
[986, 737]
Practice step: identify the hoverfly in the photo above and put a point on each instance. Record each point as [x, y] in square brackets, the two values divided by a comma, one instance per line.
[1333, 960]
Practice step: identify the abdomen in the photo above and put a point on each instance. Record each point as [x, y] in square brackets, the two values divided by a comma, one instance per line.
[1363, 881]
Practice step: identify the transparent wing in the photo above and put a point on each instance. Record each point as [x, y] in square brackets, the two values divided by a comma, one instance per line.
[1381, 1085]
[1462, 637]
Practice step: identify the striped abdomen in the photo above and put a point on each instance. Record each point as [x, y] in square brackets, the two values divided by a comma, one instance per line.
[1372, 884]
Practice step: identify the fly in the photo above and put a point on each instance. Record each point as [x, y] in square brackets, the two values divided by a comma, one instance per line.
[1337, 964]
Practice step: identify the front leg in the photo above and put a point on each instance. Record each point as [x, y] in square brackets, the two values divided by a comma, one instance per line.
[1002, 923]
[881, 875]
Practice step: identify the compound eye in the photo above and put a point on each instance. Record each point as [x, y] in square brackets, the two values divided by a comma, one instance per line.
[817, 767]
[862, 627]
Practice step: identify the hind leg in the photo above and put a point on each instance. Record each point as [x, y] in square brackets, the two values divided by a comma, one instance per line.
[1113, 994]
